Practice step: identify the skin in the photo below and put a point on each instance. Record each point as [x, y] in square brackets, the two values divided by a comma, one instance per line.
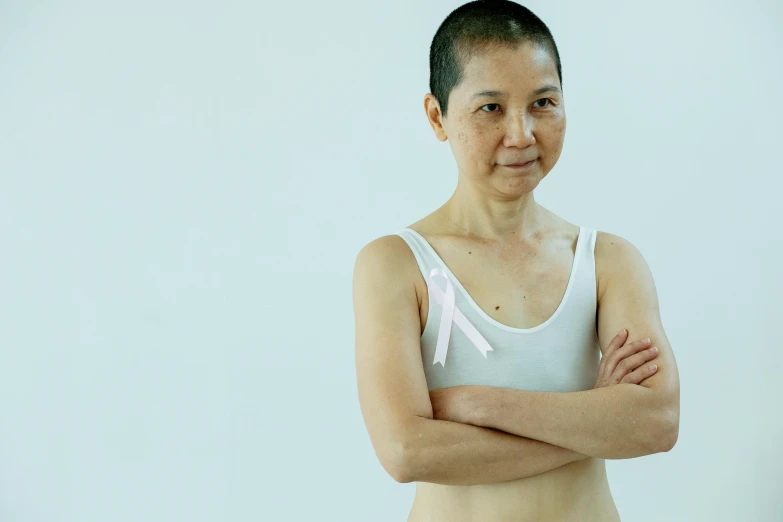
[493, 216]
[475, 404]
[492, 201]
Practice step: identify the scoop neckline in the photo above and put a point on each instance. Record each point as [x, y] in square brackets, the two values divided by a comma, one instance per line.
[487, 317]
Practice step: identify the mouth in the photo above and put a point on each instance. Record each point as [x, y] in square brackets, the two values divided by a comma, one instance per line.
[521, 165]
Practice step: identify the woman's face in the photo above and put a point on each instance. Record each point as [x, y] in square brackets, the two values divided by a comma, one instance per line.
[523, 119]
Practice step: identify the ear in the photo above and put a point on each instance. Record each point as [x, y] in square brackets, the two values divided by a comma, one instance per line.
[434, 116]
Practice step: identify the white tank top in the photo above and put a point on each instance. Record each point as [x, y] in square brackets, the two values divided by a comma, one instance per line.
[462, 345]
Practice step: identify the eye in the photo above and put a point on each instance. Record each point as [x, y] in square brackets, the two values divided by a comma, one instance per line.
[548, 100]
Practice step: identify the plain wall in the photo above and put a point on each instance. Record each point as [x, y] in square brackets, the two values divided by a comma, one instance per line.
[185, 187]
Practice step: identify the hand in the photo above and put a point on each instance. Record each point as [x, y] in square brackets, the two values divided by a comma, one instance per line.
[625, 363]
[456, 403]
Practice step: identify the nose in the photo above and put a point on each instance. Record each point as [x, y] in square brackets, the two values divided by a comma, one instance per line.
[519, 130]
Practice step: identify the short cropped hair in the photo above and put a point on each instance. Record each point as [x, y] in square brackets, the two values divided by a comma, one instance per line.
[476, 27]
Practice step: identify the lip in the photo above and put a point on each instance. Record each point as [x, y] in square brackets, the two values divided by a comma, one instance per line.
[521, 165]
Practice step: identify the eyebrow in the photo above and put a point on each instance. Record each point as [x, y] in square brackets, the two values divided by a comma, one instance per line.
[542, 90]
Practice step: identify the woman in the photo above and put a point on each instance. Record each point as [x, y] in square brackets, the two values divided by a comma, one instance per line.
[489, 367]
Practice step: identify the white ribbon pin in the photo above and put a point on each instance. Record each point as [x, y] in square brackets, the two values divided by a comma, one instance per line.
[452, 314]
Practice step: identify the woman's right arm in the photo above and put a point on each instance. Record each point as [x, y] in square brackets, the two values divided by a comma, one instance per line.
[393, 393]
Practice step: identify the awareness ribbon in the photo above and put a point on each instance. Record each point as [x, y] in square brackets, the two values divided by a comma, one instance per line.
[452, 314]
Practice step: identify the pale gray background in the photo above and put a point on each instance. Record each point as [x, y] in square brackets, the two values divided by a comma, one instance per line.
[185, 186]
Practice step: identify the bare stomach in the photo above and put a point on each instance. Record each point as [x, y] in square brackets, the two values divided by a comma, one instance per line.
[575, 492]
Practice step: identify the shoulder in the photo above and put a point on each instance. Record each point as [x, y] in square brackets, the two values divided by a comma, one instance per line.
[388, 252]
[387, 259]
[607, 243]
[615, 256]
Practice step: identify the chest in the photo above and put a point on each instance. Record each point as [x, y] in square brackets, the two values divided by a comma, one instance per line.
[520, 288]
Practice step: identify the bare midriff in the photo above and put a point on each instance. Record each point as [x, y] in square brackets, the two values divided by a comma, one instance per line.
[576, 492]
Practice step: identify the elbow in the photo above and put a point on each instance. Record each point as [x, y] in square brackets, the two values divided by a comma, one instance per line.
[391, 458]
[407, 455]
[397, 457]
[667, 420]
[390, 452]
[404, 457]
[402, 474]
[673, 425]
[669, 433]
[399, 464]
[674, 433]
[666, 443]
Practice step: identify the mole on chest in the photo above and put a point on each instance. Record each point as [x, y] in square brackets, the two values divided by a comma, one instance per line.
[512, 303]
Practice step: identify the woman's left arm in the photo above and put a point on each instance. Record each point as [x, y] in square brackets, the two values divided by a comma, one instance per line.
[614, 422]
[622, 421]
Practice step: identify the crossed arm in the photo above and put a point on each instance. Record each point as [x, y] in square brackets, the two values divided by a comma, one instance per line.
[501, 434]
[614, 422]
[505, 434]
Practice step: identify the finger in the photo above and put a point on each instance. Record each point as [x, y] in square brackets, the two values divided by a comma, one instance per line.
[633, 362]
[634, 347]
[627, 350]
[640, 374]
[614, 344]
